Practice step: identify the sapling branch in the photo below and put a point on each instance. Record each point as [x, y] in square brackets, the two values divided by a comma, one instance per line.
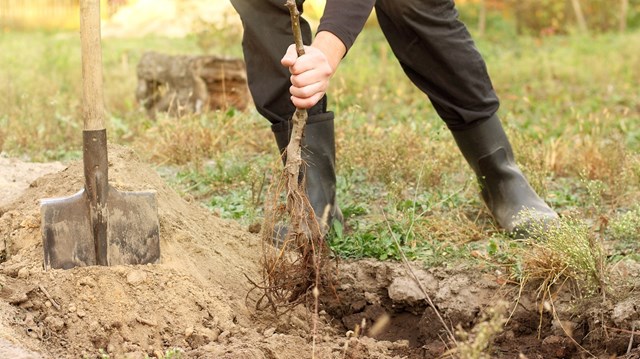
[295, 196]
[295, 26]
[293, 268]
[297, 201]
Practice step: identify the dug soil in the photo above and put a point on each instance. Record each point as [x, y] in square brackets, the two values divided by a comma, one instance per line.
[198, 300]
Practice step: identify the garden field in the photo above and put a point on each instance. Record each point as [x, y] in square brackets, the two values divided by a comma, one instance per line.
[570, 104]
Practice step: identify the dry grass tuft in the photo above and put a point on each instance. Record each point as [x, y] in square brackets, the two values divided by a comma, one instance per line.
[598, 153]
[565, 250]
[533, 158]
[395, 156]
[459, 229]
[197, 138]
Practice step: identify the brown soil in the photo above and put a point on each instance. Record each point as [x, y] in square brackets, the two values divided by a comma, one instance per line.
[198, 298]
[16, 175]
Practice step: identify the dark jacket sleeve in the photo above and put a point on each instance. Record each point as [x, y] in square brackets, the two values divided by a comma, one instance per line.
[346, 18]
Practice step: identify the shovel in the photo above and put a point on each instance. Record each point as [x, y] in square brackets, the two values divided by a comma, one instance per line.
[98, 225]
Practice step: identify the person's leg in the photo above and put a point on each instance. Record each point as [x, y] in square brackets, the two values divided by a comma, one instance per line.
[439, 56]
[267, 35]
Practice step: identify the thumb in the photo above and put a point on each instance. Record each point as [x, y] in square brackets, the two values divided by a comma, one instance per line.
[290, 56]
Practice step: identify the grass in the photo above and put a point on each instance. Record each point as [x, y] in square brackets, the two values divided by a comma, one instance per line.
[569, 104]
[623, 234]
[566, 250]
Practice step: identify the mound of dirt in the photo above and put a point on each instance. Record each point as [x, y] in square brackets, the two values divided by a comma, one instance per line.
[16, 175]
[196, 293]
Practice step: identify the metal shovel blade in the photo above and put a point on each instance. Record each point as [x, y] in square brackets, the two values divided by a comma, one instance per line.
[132, 230]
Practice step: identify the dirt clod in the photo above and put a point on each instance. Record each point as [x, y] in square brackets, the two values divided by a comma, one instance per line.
[54, 323]
[136, 277]
[269, 332]
[9, 350]
[406, 290]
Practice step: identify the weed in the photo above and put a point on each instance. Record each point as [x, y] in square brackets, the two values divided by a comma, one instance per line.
[234, 205]
[171, 353]
[422, 233]
[406, 155]
[502, 249]
[373, 242]
[595, 189]
[230, 188]
[623, 234]
[626, 227]
[565, 249]
[476, 343]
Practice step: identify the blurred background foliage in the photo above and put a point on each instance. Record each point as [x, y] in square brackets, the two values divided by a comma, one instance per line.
[530, 17]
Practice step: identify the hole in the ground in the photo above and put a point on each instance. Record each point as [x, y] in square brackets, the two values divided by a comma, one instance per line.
[366, 289]
[379, 323]
[526, 332]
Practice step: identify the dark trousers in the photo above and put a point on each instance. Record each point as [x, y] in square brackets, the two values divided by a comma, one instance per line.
[434, 49]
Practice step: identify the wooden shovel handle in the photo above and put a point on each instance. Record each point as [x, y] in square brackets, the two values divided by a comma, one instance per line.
[93, 101]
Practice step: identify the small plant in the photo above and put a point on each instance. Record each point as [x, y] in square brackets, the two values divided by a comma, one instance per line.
[103, 354]
[476, 344]
[561, 250]
[626, 227]
[373, 242]
[595, 190]
[173, 353]
[234, 205]
[624, 233]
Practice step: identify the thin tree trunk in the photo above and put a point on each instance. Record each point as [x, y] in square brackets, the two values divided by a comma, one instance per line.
[482, 18]
[294, 150]
[624, 10]
[582, 23]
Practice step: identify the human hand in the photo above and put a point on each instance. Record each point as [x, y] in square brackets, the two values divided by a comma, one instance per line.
[310, 75]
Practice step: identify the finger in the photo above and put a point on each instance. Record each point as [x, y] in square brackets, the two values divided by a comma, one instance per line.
[308, 91]
[307, 102]
[310, 62]
[290, 56]
[310, 77]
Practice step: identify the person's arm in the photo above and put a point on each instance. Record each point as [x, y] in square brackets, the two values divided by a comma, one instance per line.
[310, 74]
[345, 19]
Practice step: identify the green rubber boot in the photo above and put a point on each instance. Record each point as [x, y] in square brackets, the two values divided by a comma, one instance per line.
[505, 190]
